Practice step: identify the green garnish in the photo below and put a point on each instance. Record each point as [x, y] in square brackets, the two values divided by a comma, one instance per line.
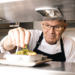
[24, 51]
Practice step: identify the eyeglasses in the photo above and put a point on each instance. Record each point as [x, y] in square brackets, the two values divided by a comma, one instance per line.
[56, 28]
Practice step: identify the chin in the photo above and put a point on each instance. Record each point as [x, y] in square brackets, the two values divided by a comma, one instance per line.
[51, 41]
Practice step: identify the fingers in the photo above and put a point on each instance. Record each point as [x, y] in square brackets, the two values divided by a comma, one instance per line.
[22, 36]
[27, 37]
[19, 36]
[14, 34]
[11, 36]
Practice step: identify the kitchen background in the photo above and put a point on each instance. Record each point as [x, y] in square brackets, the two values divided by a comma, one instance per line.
[5, 27]
[25, 11]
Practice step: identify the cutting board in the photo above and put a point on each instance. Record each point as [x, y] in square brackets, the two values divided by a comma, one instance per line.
[22, 63]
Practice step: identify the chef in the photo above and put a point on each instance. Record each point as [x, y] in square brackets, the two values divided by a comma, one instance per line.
[49, 41]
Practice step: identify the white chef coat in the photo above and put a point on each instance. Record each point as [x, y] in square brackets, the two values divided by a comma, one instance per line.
[69, 46]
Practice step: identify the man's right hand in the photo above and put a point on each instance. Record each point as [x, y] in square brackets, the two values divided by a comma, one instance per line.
[16, 37]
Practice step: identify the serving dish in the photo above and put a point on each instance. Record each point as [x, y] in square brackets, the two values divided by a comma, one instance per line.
[25, 58]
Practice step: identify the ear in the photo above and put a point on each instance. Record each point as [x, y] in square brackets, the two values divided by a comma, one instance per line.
[41, 23]
[65, 26]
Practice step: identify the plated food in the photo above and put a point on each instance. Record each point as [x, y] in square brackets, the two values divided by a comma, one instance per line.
[24, 55]
[26, 52]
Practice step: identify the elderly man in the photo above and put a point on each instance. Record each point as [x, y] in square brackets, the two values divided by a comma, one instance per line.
[50, 42]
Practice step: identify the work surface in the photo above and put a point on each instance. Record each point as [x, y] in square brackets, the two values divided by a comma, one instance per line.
[48, 68]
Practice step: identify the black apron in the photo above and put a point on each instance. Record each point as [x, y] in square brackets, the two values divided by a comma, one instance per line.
[55, 57]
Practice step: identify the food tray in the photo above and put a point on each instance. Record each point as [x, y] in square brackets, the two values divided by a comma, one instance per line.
[25, 58]
[22, 63]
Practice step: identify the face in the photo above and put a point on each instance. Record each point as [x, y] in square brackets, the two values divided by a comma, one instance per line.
[52, 36]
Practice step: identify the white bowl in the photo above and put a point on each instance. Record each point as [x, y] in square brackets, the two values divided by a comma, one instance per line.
[25, 58]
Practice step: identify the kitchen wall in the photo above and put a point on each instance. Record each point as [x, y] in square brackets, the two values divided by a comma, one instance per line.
[37, 25]
[27, 25]
[4, 28]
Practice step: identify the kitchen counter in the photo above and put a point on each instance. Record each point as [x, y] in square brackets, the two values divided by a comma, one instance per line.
[48, 68]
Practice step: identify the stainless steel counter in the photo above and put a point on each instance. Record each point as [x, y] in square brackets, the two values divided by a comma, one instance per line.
[49, 68]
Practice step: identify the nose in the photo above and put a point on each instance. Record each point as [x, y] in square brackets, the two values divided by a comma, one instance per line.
[51, 30]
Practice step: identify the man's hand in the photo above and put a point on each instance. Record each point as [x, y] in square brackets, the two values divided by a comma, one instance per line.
[16, 37]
